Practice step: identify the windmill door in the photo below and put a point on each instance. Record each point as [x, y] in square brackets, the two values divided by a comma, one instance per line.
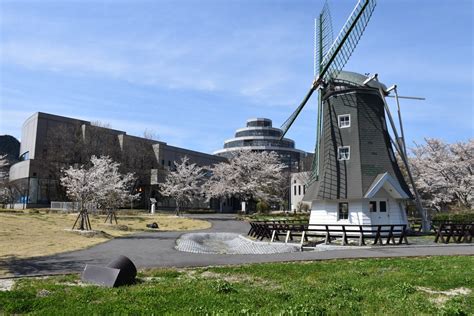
[379, 214]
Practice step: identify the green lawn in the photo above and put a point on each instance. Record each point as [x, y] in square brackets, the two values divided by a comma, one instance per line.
[345, 287]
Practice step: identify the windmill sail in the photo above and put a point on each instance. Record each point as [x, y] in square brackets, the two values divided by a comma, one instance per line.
[322, 42]
[339, 53]
[345, 43]
[323, 37]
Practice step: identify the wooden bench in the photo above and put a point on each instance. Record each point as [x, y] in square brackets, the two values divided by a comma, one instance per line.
[259, 230]
[415, 225]
[459, 232]
[289, 230]
[395, 234]
[274, 229]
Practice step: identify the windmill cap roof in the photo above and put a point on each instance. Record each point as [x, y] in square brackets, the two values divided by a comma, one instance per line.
[358, 79]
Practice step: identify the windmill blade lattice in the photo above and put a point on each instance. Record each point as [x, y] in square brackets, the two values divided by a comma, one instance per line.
[322, 42]
[323, 37]
[339, 53]
[345, 43]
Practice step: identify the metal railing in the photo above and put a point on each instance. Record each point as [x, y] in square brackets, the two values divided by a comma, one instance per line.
[70, 207]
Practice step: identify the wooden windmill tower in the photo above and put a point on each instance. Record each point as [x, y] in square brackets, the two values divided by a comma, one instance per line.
[355, 177]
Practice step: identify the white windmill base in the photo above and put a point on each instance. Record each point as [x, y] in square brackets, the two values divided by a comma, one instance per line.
[388, 207]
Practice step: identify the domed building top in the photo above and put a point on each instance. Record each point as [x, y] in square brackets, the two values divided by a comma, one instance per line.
[260, 135]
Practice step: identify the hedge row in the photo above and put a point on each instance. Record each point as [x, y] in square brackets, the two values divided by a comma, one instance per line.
[462, 216]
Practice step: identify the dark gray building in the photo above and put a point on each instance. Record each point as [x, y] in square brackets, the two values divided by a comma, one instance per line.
[50, 143]
[260, 135]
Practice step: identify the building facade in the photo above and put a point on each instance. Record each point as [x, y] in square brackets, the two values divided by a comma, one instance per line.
[260, 135]
[298, 183]
[50, 143]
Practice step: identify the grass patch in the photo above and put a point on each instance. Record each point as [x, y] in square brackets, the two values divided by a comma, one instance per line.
[25, 235]
[344, 287]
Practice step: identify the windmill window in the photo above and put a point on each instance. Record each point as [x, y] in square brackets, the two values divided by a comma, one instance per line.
[344, 152]
[299, 190]
[373, 206]
[383, 206]
[294, 189]
[344, 120]
[343, 211]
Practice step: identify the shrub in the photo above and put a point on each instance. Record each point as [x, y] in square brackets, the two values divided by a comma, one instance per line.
[466, 216]
[262, 207]
[302, 207]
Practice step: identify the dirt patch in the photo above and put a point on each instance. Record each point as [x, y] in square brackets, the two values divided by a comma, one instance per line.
[26, 235]
[441, 297]
[90, 233]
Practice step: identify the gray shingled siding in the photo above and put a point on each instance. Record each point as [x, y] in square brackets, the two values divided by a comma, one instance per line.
[376, 153]
[370, 148]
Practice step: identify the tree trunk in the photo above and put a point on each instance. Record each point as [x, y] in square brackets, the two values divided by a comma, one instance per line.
[177, 208]
[111, 216]
[83, 219]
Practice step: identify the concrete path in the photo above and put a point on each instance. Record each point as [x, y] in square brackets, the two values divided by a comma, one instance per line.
[156, 249]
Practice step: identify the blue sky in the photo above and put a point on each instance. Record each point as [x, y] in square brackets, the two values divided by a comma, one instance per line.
[195, 71]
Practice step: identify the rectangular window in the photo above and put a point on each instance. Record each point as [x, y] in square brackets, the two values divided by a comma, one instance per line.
[373, 206]
[344, 120]
[343, 212]
[299, 190]
[162, 162]
[383, 206]
[304, 189]
[294, 187]
[344, 152]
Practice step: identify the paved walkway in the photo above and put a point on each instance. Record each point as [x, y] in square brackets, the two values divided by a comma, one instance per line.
[156, 249]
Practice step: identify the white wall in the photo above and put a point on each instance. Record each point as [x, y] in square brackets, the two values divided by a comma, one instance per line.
[28, 136]
[325, 211]
[298, 184]
[20, 170]
[395, 208]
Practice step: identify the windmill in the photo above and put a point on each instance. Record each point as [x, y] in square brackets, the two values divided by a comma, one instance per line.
[355, 176]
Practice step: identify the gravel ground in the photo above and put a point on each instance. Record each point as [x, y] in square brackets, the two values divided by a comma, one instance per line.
[229, 243]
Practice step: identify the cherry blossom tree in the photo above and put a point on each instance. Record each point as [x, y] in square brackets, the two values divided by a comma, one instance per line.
[3, 165]
[444, 173]
[100, 184]
[248, 175]
[81, 187]
[221, 185]
[6, 193]
[184, 184]
[113, 187]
